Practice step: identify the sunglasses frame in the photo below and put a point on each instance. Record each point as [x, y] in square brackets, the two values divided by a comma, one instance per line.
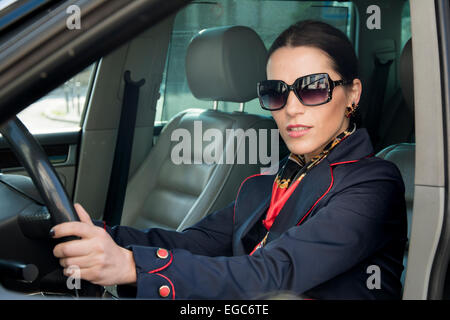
[291, 87]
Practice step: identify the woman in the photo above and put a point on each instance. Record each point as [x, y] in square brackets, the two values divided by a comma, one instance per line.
[331, 224]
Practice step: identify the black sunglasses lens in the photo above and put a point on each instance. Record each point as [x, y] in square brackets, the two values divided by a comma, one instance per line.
[272, 94]
[313, 89]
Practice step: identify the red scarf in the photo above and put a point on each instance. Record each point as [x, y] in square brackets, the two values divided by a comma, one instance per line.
[281, 191]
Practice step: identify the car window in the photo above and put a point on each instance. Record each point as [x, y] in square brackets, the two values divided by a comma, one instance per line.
[268, 18]
[406, 24]
[6, 3]
[61, 109]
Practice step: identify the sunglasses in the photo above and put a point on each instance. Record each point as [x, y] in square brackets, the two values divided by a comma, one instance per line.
[311, 90]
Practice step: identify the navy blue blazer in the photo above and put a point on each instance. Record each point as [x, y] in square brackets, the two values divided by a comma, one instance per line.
[341, 235]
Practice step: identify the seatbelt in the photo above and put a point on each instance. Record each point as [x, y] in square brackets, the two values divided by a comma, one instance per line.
[122, 154]
[383, 61]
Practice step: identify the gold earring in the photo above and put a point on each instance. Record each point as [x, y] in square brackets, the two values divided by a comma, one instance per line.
[350, 110]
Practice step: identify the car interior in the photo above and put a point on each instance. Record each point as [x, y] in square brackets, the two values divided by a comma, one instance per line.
[201, 64]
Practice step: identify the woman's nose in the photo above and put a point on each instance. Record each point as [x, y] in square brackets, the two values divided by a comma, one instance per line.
[293, 105]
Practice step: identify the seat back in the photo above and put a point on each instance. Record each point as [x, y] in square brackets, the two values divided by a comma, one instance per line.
[403, 154]
[222, 64]
[397, 123]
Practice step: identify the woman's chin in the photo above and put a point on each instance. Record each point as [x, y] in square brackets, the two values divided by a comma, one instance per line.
[299, 150]
[304, 145]
[300, 145]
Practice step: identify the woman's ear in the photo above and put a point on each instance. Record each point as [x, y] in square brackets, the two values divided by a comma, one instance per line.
[355, 91]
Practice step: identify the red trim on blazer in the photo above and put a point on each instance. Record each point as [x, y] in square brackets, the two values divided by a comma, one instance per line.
[343, 162]
[323, 195]
[171, 284]
[255, 248]
[331, 184]
[164, 266]
[234, 207]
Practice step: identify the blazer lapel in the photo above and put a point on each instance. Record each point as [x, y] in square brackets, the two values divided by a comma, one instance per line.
[260, 195]
[311, 188]
[308, 192]
[246, 226]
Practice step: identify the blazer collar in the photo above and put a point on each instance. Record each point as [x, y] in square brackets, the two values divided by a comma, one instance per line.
[355, 147]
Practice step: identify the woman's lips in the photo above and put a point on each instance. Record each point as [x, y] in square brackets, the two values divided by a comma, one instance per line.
[295, 131]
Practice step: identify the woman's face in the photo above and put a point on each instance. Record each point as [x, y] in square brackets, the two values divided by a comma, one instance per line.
[325, 121]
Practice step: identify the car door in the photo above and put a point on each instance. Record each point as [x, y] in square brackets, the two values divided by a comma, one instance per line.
[429, 249]
[94, 94]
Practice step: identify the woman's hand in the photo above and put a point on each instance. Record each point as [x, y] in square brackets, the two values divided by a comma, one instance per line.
[98, 258]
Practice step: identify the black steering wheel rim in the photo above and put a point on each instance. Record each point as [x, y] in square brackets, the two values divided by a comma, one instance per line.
[36, 163]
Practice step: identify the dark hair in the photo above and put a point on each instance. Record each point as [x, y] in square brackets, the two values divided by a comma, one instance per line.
[327, 38]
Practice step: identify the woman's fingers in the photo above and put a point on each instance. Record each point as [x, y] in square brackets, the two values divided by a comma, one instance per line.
[84, 228]
[82, 214]
[74, 248]
[80, 262]
[92, 274]
[95, 257]
[79, 229]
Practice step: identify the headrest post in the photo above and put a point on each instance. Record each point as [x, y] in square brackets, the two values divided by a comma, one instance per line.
[215, 105]
[241, 106]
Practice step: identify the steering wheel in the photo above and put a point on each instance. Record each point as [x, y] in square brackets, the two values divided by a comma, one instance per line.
[42, 173]
[40, 170]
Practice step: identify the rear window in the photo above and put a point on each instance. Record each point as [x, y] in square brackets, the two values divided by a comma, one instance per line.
[267, 18]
